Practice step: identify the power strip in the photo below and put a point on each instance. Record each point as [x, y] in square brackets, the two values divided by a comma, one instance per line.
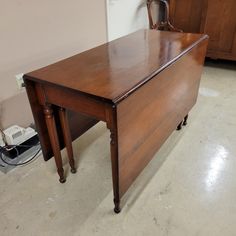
[13, 153]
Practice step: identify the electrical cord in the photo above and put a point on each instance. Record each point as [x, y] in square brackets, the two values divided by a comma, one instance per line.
[20, 164]
[15, 148]
[9, 147]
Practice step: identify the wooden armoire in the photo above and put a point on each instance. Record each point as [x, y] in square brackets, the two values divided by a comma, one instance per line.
[217, 18]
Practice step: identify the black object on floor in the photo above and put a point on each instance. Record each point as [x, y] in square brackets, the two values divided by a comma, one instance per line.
[14, 151]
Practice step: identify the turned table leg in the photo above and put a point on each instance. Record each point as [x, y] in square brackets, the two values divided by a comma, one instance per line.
[179, 127]
[52, 131]
[185, 120]
[115, 172]
[115, 160]
[67, 138]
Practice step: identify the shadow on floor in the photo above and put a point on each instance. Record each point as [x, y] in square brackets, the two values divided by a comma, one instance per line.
[222, 64]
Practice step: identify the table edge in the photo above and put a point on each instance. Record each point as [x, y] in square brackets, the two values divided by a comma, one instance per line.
[121, 97]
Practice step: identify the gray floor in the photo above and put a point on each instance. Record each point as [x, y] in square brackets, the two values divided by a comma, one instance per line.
[189, 188]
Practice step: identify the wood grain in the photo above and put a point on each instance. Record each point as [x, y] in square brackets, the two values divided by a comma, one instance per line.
[144, 126]
[213, 17]
[109, 72]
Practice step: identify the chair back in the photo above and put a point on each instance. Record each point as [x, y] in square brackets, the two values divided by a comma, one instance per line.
[163, 19]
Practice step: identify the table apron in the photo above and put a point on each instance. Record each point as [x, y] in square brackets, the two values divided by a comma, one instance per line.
[72, 100]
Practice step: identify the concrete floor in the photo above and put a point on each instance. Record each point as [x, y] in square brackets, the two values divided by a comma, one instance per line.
[189, 188]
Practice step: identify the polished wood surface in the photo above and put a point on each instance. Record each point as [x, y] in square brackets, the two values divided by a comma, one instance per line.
[163, 103]
[220, 25]
[187, 15]
[113, 70]
[142, 85]
[213, 17]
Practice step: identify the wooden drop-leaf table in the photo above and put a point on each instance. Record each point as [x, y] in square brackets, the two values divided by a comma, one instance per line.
[142, 85]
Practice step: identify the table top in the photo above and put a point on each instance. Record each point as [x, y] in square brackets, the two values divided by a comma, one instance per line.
[115, 69]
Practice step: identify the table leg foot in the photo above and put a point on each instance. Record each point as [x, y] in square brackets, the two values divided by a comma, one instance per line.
[117, 208]
[185, 120]
[73, 170]
[179, 127]
[62, 180]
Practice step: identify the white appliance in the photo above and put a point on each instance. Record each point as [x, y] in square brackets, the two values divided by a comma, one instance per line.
[16, 135]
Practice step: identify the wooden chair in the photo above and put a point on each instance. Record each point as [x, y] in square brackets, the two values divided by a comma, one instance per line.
[164, 24]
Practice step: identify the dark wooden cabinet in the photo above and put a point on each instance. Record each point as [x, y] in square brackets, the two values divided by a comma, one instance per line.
[217, 18]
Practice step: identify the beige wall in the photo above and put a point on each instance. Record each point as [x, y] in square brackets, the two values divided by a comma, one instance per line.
[134, 17]
[36, 33]
[125, 17]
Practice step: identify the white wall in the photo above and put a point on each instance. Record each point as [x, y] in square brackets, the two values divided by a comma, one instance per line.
[35, 33]
[125, 16]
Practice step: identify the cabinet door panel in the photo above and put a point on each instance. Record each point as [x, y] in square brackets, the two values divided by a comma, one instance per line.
[220, 24]
[186, 14]
[217, 18]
